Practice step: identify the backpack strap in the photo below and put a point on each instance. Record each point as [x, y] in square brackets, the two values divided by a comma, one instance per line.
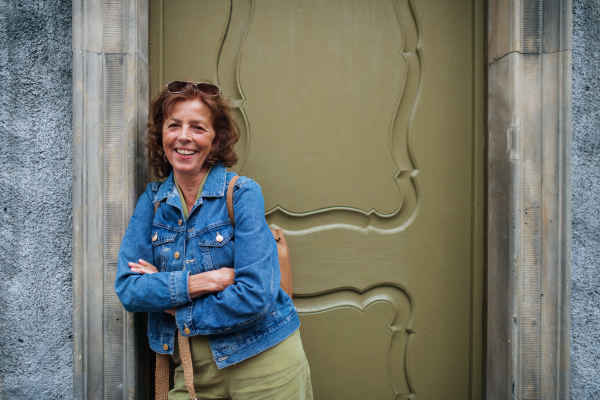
[282, 247]
[230, 199]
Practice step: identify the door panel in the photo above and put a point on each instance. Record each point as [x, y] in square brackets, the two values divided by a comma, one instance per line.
[361, 121]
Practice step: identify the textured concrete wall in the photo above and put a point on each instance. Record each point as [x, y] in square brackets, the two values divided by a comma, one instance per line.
[35, 200]
[585, 298]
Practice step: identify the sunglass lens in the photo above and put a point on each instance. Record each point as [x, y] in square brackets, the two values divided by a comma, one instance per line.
[208, 89]
[176, 86]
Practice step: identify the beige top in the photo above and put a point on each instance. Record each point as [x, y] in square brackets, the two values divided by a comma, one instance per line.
[184, 208]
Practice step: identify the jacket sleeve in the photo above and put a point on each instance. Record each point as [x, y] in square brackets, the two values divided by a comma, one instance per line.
[257, 275]
[146, 292]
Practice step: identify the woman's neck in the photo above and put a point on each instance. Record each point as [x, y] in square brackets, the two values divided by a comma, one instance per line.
[189, 186]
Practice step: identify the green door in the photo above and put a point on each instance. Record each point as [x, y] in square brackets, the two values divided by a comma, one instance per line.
[362, 122]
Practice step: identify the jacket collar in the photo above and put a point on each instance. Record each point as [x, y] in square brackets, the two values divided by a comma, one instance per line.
[213, 187]
[215, 183]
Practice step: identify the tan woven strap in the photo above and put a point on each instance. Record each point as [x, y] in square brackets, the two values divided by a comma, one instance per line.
[230, 199]
[161, 377]
[186, 360]
[161, 374]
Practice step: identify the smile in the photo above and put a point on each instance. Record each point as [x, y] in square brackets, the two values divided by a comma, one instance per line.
[185, 152]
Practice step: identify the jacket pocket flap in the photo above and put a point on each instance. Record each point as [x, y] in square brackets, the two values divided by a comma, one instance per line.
[161, 236]
[216, 237]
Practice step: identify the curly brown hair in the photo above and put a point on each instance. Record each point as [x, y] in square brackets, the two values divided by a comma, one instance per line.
[227, 131]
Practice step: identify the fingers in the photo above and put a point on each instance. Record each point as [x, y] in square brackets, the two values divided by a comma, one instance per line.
[171, 311]
[145, 263]
[135, 267]
[143, 267]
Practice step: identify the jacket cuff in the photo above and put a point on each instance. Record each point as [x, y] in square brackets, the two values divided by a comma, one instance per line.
[179, 287]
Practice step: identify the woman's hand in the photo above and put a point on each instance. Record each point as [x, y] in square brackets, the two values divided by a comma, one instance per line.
[142, 267]
[210, 282]
[199, 284]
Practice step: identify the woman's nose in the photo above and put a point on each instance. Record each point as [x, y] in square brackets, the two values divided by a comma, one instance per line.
[185, 133]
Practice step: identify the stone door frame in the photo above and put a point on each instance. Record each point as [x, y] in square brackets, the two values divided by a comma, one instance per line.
[527, 314]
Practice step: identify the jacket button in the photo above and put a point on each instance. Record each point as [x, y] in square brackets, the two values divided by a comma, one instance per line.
[165, 347]
[186, 331]
[219, 238]
[177, 255]
[155, 236]
[180, 222]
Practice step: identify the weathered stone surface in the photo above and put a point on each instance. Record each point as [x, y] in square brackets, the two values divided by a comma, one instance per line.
[110, 101]
[36, 349]
[585, 303]
[529, 236]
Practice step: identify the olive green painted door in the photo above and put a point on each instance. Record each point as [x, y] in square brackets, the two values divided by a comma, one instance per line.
[362, 122]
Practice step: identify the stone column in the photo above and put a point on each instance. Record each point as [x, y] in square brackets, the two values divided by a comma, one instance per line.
[529, 192]
[110, 101]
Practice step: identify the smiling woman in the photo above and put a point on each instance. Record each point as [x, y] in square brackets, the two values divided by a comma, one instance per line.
[188, 135]
[215, 108]
[182, 261]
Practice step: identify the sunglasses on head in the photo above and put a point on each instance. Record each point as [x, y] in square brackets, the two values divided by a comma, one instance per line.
[207, 89]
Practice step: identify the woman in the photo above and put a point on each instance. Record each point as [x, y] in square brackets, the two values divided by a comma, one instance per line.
[183, 262]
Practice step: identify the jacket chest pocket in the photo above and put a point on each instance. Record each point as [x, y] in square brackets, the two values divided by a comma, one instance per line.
[216, 246]
[163, 246]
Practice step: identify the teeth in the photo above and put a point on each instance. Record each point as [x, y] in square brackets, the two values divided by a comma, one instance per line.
[185, 152]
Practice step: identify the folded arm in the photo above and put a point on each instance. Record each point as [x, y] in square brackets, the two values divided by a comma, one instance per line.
[199, 285]
[146, 292]
[256, 267]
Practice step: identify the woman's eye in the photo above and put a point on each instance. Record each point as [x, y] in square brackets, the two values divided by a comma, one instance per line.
[199, 128]
[171, 126]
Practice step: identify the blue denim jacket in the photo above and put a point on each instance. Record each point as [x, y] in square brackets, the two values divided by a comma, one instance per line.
[245, 319]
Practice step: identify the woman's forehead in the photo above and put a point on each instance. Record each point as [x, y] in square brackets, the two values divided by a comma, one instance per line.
[185, 105]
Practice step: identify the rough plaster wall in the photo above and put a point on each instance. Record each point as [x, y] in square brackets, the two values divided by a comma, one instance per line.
[36, 325]
[585, 299]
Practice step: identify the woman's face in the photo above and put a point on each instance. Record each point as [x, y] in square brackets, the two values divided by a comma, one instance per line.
[188, 135]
